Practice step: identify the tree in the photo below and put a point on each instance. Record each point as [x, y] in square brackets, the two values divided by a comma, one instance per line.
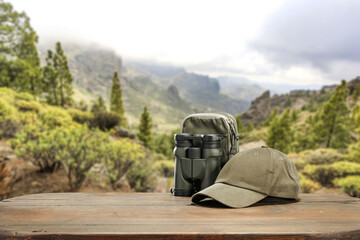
[116, 104]
[162, 144]
[50, 80]
[332, 127]
[58, 79]
[273, 114]
[280, 134]
[356, 93]
[355, 118]
[240, 125]
[304, 137]
[250, 127]
[144, 134]
[19, 60]
[99, 105]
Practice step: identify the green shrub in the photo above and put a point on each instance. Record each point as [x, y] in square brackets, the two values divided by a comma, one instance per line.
[307, 185]
[7, 95]
[162, 144]
[353, 154]
[346, 168]
[105, 120]
[256, 135]
[28, 117]
[79, 150]
[55, 116]
[7, 111]
[37, 145]
[9, 121]
[349, 185]
[28, 105]
[120, 157]
[325, 174]
[141, 176]
[25, 96]
[298, 160]
[165, 168]
[80, 116]
[123, 132]
[75, 148]
[321, 156]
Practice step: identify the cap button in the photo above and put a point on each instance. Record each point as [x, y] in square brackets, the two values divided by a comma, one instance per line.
[264, 146]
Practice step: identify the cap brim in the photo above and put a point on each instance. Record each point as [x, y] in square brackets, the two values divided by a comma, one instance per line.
[228, 195]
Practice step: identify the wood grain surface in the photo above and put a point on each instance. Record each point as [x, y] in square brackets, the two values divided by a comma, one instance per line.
[162, 216]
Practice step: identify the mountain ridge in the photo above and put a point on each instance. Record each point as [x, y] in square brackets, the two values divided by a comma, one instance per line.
[170, 93]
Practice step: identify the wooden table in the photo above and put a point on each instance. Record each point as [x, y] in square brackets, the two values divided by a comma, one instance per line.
[162, 216]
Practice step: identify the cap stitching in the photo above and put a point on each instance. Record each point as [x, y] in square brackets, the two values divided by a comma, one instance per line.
[266, 186]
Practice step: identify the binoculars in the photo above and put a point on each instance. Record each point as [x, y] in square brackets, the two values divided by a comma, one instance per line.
[197, 162]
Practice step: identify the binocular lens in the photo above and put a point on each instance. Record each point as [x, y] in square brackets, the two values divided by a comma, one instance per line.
[211, 141]
[211, 137]
[183, 140]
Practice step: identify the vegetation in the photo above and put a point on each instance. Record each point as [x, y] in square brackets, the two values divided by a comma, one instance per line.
[350, 185]
[116, 104]
[54, 139]
[331, 130]
[121, 156]
[307, 185]
[19, 60]
[47, 127]
[99, 105]
[144, 134]
[280, 133]
[57, 78]
[105, 120]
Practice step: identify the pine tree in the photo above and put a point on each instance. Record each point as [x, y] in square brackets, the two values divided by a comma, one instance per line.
[240, 125]
[19, 60]
[116, 103]
[304, 138]
[332, 127]
[99, 106]
[50, 80]
[356, 93]
[355, 116]
[280, 134]
[250, 127]
[273, 114]
[64, 76]
[57, 78]
[144, 134]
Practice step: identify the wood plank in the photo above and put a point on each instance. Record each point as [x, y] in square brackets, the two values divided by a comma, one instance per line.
[162, 216]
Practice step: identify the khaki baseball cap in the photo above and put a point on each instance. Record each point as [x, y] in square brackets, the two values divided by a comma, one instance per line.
[250, 176]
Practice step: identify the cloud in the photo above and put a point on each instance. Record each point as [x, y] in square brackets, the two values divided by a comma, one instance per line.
[320, 34]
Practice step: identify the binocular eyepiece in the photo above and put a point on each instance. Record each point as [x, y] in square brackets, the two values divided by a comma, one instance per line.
[191, 140]
[197, 162]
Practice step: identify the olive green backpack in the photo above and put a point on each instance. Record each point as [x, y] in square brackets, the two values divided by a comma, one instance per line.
[215, 123]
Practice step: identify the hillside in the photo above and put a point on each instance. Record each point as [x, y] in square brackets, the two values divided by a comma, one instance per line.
[263, 105]
[202, 92]
[169, 92]
[243, 91]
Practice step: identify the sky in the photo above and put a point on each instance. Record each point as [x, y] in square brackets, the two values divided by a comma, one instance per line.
[296, 42]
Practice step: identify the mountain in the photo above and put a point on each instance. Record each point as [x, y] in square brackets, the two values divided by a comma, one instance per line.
[170, 93]
[201, 91]
[243, 91]
[228, 82]
[310, 100]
